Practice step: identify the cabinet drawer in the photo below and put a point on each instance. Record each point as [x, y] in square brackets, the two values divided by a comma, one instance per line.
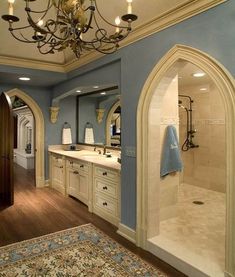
[106, 188]
[82, 166]
[107, 205]
[57, 160]
[107, 174]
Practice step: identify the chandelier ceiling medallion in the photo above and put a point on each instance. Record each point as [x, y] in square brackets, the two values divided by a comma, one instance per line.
[69, 23]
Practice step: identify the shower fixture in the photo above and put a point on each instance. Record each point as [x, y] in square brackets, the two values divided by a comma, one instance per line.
[188, 143]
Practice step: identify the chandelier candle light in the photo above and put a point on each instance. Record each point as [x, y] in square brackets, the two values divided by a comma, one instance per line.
[76, 24]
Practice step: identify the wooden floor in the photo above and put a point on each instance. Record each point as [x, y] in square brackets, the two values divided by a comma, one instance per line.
[42, 211]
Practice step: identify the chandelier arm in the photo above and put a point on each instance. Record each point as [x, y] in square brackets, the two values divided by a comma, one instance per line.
[52, 32]
[90, 21]
[46, 52]
[46, 42]
[102, 50]
[19, 28]
[19, 39]
[105, 20]
[28, 9]
[34, 24]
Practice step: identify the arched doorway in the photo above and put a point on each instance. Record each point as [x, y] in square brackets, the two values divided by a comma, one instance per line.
[147, 149]
[39, 137]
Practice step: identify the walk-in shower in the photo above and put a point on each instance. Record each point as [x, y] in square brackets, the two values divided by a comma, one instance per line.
[188, 142]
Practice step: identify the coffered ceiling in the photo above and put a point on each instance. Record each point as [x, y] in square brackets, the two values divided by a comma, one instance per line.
[153, 15]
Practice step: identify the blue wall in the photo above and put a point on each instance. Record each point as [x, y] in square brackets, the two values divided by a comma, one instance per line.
[211, 32]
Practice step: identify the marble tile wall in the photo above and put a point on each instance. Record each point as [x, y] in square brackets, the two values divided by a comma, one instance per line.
[205, 166]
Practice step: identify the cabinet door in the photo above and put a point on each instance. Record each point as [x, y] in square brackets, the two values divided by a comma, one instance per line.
[83, 187]
[72, 182]
[58, 177]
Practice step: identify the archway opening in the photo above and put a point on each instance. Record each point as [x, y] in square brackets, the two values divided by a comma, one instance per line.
[39, 134]
[24, 139]
[157, 198]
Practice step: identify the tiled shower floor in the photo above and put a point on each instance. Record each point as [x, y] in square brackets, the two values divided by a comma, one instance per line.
[197, 235]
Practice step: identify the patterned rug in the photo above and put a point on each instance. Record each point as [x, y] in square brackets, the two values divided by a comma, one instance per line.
[79, 251]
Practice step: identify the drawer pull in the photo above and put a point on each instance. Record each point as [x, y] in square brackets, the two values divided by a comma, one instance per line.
[105, 173]
[105, 204]
[61, 166]
[105, 188]
[75, 172]
[82, 165]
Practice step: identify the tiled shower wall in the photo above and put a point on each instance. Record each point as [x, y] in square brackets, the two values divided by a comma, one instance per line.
[205, 166]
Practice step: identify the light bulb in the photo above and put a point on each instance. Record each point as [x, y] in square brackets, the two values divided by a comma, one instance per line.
[11, 9]
[129, 7]
[40, 22]
[117, 22]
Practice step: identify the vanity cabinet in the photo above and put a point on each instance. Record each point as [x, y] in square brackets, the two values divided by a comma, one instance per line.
[77, 180]
[106, 194]
[95, 182]
[57, 173]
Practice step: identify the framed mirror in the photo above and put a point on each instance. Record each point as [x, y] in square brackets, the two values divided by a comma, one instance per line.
[99, 118]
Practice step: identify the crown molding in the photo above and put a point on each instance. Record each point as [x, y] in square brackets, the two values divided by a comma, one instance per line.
[33, 64]
[163, 21]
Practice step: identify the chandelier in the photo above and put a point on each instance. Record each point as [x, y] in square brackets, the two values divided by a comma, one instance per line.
[74, 24]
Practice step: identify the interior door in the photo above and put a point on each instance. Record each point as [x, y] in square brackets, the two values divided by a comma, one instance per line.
[6, 151]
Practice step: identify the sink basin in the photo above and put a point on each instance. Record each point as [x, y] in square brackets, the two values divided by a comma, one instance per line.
[90, 156]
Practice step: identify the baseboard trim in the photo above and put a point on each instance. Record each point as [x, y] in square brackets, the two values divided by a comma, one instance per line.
[47, 183]
[127, 232]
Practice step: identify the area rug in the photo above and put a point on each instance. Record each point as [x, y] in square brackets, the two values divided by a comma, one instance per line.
[79, 251]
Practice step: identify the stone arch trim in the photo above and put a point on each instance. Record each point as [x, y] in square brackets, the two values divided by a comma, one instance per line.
[226, 86]
[39, 137]
[108, 120]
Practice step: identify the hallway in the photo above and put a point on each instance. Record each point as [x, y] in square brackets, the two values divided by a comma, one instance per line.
[38, 212]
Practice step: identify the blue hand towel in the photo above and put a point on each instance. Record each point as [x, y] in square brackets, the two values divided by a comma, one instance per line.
[171, 159]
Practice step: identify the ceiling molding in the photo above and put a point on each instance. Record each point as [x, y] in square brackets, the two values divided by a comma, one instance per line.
[33, 64]
[165, 20]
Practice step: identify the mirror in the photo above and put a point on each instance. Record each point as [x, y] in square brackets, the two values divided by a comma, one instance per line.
[113, 125]
[99, 118]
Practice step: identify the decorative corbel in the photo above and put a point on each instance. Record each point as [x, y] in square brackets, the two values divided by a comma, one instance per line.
[100, 115]
[54, 114]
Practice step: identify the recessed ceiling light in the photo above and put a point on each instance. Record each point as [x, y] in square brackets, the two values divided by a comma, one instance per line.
[78, 90]
[203, 89]
[24, 78]
[95, 86]
[103, 93]
[199, 74]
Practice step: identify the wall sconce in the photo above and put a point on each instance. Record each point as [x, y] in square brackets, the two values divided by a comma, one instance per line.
[54, 111]
[100, 115]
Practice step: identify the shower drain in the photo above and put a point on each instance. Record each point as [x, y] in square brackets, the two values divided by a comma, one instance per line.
[198, 202]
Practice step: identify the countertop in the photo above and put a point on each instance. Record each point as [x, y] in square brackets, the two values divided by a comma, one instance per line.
[90, 156]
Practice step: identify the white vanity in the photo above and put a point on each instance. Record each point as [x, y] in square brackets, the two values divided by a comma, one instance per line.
[90, 177]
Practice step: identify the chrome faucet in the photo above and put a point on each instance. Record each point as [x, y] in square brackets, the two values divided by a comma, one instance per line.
[104, 151]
